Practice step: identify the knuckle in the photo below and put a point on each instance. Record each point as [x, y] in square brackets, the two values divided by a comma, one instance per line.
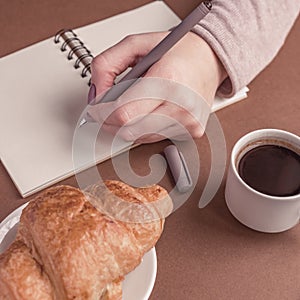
[122, 116]
[98, 60]
[127, 135]
[197, 131]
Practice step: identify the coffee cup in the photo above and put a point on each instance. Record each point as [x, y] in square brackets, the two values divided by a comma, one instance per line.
[263, 182]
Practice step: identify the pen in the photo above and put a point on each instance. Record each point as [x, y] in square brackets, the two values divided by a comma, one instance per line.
[179, 168]
[154, 55]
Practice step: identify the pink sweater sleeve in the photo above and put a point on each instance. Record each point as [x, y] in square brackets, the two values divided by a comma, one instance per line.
[246, 35]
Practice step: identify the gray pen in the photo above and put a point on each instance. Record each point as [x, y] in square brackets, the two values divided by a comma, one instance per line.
[179, 168]
[154, 55]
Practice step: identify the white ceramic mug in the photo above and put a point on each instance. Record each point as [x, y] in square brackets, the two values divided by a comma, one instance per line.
[254, 209]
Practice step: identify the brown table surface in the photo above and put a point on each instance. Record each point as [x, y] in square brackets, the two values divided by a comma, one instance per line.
[203, 253]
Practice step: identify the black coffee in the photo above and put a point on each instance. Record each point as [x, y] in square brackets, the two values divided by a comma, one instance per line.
[271, 169]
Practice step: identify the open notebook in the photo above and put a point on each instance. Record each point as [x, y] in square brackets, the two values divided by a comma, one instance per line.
[43, 96]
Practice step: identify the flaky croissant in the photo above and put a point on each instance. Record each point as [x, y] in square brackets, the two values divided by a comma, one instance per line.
[67, 249]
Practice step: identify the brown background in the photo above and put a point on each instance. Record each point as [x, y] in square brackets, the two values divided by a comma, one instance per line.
[202, 254]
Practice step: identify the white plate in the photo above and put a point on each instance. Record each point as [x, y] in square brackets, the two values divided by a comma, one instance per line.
[137, 285]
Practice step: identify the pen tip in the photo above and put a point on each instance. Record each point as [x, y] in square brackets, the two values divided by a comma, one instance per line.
[82, 122]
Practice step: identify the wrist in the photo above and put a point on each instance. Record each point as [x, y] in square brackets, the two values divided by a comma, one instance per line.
[212, 71]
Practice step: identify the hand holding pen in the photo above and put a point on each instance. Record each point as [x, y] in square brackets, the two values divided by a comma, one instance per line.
[190, 62]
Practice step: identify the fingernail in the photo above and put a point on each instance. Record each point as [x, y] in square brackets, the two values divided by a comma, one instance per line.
[92, 93]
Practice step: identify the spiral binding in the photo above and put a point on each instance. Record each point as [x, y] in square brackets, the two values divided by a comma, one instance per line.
[77, 48]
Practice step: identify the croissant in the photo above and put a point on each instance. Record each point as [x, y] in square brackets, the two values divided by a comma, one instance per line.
[80, 245]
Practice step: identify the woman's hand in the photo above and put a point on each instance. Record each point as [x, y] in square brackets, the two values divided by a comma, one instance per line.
[190, 63]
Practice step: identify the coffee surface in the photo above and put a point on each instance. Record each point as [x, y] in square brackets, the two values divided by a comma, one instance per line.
[271, 169]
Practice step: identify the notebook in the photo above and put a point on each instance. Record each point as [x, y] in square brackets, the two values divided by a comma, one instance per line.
[43, 95]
